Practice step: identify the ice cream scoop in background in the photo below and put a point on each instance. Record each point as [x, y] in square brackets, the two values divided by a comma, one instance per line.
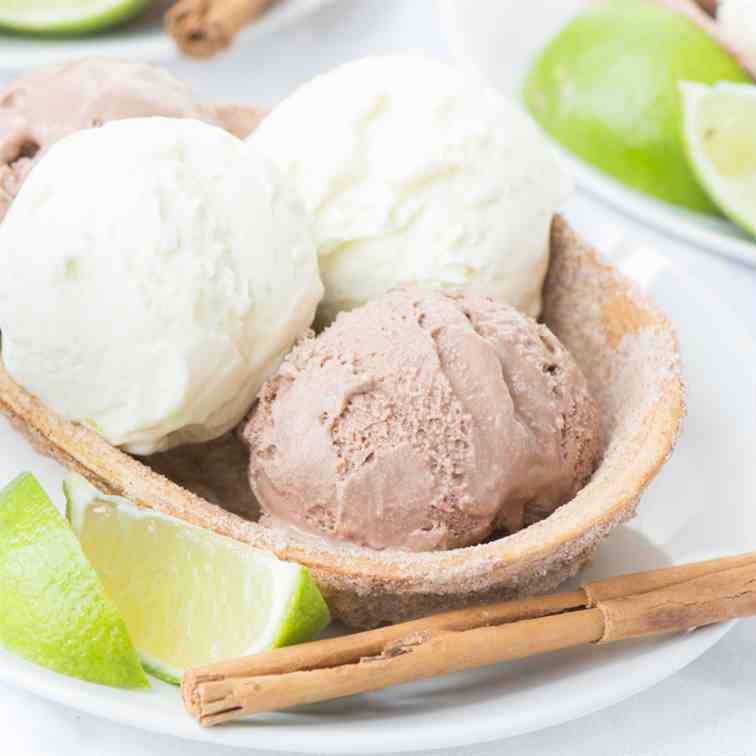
[154, 273]
[417, 175]
[422, 421]
[45, 105]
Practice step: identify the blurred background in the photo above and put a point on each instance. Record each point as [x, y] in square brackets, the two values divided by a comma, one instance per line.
[606, 91]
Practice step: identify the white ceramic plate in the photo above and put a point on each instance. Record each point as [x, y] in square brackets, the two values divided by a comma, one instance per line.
[142, 39]
[700, 506]
[484, 43]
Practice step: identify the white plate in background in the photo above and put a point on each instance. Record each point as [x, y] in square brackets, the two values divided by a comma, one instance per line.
[706, 231]
[144, 38]
[700, 506]
[484, 41]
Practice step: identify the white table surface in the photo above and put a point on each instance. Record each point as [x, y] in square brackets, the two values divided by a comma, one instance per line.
[705, 710]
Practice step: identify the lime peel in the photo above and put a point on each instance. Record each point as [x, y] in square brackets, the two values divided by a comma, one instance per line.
[53, 609]
[59, 17]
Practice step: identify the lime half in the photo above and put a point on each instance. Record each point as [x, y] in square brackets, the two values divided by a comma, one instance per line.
[719, 128]
[53, 610]
[66, 16]
[190, 597]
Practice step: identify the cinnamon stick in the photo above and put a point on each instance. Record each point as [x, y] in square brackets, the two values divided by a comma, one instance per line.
[660, 601]
[710, 6]
[351, 648]
[202, 28]
[702, 601]
[651, 580]
[413, 658]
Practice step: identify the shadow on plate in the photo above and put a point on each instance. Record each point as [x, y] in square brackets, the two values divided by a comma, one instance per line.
[626, 550]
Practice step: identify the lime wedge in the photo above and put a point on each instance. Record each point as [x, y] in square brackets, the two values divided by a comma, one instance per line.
[190, 597]
[719, 129]
[53, 610]
[66, 16]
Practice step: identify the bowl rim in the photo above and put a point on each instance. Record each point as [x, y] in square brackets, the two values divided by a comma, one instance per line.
[113, 471]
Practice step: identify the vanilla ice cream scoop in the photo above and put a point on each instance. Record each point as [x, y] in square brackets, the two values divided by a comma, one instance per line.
[154, 273]
[41, 107]
[417, 175]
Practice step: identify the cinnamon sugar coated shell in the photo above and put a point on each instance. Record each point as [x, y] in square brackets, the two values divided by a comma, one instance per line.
[626, 349]
[422, 421]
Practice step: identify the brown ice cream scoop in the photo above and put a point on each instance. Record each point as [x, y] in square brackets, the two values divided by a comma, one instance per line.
[423, 421]
[41, 107]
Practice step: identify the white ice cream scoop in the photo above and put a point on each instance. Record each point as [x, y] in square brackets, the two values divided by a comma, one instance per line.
[154, 272]
[417, 175]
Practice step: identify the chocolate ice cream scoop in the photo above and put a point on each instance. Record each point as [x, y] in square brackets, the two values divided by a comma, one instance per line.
[42, 107]
[422, 421]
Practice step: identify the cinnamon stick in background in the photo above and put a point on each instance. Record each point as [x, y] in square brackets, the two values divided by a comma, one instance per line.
[649, 603]
[202, 28]
[710, 6]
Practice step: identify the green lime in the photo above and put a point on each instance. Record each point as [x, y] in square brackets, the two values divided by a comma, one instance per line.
[191, 597]
[606, 87]
[719, 129]
[53, 609]
[66, 16]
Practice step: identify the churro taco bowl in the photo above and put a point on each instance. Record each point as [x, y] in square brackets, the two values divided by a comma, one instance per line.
[625, 348]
